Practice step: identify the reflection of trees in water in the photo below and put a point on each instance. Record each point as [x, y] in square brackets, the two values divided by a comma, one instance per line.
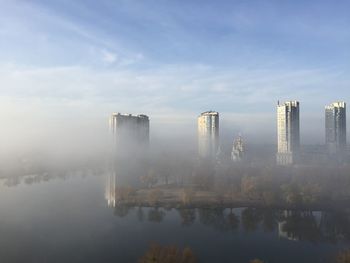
[232, 220]
[300, 226]
[327, 227]
[212, 217]
[218, 219]
[294, 225]
[122, 210]
[140, 214]
[270, 219]
[251, 217]
[188, 216]
[156, 215]
[335, 226]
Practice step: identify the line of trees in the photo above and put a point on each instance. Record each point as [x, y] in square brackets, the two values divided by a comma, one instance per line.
[292, 186]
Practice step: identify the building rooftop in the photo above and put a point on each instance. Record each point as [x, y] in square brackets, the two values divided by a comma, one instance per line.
[130, 115]
[337, 104]
[215, 113]
[288, 103]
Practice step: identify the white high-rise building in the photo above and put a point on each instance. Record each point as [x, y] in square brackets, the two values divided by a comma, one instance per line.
[208, 134]
[288, 132]
[130, 137]
[335, 125]
[237, 153]
[130, 132]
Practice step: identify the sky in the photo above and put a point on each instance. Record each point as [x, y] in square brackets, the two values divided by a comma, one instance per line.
[70, 63]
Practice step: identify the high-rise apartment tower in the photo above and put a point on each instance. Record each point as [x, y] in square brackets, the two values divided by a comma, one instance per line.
[288, 132]
[237, 152]
[208, 134]
[335, 125]
[130, 132]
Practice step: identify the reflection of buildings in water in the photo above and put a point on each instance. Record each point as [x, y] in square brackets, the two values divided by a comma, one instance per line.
[284, 234]
[314, 226]
[335, 226]
[110, 189]
[294, 223]
[116, 188]
[122, 180]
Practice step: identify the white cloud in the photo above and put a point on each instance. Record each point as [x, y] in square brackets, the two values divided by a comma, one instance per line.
[176, 87]
[109, 57]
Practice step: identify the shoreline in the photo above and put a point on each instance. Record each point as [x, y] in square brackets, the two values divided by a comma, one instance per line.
[171, 198]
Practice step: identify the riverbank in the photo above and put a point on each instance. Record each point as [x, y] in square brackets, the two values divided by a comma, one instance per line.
[177, 197]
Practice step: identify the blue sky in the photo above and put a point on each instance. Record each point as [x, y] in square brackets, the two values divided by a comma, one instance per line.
[174, 58]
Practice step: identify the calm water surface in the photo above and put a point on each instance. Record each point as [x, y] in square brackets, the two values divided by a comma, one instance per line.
[68, 220]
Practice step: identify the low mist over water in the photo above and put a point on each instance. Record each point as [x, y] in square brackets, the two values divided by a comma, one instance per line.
[70, 213]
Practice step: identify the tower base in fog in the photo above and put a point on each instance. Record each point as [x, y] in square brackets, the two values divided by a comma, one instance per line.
[284, 158]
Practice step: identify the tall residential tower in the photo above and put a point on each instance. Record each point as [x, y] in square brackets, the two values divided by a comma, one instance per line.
[130, 137]
[130, 132]
[237, 153]
[288, 132]
[335, 124]
[208, 134]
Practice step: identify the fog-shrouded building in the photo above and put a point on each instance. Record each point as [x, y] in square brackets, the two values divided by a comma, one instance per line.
[335, 125]
[288, 132]
[130, 132]
[237, 153]
[130, 140]
[208, 134]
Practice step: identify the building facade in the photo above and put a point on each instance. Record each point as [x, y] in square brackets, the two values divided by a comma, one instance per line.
[130, 132]
[208, 134]
[335, 128]
[288, 132]
[237, 152]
